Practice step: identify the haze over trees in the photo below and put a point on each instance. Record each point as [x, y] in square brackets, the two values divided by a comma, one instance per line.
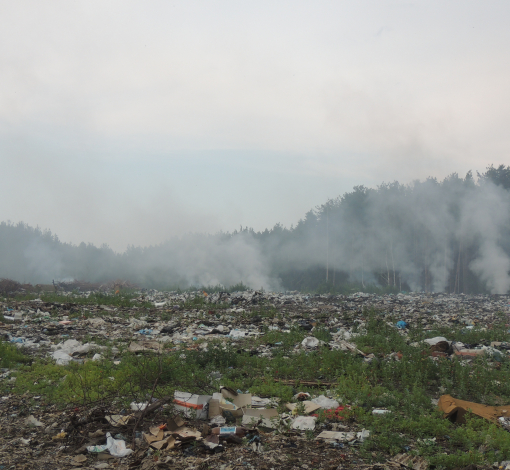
[433, 236]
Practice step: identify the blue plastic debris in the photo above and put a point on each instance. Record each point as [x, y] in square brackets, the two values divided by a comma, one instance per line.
[17, 340]
[145, 332]
[338, 445]
[402, 325]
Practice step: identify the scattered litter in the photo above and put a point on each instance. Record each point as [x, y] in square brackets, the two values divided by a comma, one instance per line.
[31, 421]
[116, 447]
[237, 334]
[120, 420]
[340, 436]
[306, 406]
[139, 346]
[304, 423]
[435, 340]
[138, 406]
[409, 461]
[230, 413]
[455, 410]
[325, 403]
[61, 358]
[380, 412]
[191, 405]
[311, 342]
[79, 459]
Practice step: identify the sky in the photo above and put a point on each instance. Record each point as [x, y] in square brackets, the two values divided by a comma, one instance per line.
[129, 122]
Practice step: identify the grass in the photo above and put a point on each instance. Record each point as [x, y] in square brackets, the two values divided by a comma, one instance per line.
[405, 386]
[10, 355]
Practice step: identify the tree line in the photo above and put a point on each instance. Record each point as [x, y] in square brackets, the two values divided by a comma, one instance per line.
[433, 236]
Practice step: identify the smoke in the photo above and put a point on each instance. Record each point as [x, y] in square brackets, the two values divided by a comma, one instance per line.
[205, 260]
[42, 261]
[486, 218]
[432, 236]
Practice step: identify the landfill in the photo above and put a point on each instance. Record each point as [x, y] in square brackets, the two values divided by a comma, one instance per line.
[222, 428]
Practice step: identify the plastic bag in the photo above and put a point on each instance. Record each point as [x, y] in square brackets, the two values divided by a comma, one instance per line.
[116, 447]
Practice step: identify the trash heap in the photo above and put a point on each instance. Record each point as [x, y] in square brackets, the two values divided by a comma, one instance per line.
[226, 428]
[36, 324]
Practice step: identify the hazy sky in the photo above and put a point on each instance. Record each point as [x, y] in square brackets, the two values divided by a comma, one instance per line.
[127, 122]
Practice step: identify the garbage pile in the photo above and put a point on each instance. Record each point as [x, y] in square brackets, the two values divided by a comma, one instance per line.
[198, 429]
[228, 428]
[36, 324]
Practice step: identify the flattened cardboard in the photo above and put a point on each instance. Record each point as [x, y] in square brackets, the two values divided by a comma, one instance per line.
[155, 431]
[455, 409]
[173, 424]
[261, 412]
[171, 442]
[310, 407]
[264, 422]
[214, 408]
[228, 393]
[338, 436]
[150, 438]
[187, 434]
[243, 399]
[159, 444]
[118, 420]
[331, 435]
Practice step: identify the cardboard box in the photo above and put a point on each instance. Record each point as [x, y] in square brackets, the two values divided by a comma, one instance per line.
[191, 405]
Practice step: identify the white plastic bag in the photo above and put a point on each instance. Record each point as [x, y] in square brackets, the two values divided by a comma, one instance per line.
[310, 342]
[116, 447]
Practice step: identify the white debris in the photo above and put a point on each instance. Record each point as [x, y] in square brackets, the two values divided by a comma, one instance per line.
[311, 342]
[326, 403]
[304, 423]
[32, 421]
[61, 358]
[437, 339]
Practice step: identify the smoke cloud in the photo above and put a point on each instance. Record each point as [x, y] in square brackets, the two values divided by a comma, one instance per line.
[432, 236]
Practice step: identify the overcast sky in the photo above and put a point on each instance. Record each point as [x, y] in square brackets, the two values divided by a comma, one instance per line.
[127, 122]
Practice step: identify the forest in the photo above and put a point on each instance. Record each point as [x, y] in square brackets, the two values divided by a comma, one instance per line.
[428, 236]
